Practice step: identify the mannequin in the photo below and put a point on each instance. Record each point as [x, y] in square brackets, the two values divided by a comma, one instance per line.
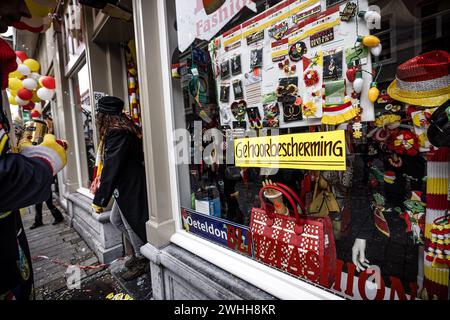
[393, 249]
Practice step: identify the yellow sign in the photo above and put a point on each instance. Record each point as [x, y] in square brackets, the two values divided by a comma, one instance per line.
[311, 151]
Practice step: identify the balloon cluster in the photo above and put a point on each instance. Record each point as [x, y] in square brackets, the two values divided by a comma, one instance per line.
[27, 88]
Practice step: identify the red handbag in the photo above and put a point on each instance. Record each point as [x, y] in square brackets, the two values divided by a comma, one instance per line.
[299, 245]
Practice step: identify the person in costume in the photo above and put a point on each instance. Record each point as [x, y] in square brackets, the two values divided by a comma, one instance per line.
[56, 213]
[123, 175]
[25, 179]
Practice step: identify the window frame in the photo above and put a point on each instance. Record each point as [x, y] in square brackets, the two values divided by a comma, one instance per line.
[276, 283]
[82, 174]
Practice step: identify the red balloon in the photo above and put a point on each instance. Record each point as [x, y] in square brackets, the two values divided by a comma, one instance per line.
[25, 94]
[21, 55]
[48, 82]
[35, 114]
[351, 74]
[29, 106]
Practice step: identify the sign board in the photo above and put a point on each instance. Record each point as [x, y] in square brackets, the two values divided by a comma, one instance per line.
[202, 19]
[231, 235]
[312, 151]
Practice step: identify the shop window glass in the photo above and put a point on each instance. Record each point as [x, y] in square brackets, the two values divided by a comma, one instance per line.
[84, 125]
[73, 30]
[284, 74]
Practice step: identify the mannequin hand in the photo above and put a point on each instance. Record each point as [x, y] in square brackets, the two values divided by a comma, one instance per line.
[276, 197]
[359, 255]
[97, 209]
[52, 151]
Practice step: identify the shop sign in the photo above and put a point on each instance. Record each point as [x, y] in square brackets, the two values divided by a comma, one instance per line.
[202, 19]
[97, 96]
[231, 235]
[311, 151]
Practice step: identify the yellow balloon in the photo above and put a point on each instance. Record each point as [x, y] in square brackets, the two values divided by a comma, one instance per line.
[371, 41]
[32, 64]
[15, 74]
[15, 84]
[374, 93]
[35, 98]
[12, 99]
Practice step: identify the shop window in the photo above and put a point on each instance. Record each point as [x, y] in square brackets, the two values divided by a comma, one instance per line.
[84, 125]
[73, 30]
[388, 38]
[277, 104]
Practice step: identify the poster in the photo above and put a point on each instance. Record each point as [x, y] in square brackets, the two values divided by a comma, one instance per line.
[311, 151]
[202, 19]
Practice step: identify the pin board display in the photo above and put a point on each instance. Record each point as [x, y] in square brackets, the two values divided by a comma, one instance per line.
[286, 67]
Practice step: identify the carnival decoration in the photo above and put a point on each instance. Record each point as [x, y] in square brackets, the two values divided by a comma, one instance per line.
[27, 88]
[41, 15]
[414, 217]
[133, 83]
[423, 80]
[436, 275]
[404, 142]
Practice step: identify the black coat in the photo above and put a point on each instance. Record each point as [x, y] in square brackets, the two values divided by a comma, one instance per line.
[123, 176]
[23, 182]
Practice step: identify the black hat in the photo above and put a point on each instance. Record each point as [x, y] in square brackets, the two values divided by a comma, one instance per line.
[110, 105]
[439, 130]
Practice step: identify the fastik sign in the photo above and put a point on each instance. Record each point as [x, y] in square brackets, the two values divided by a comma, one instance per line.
[202, 19]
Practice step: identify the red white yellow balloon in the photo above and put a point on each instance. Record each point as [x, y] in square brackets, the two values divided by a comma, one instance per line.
[30, 84]
[24, 70]
[45, 94]
[21, 102]
[47, 82]
[25, 94]
[15, 84]
[374, 93]
[32, 64]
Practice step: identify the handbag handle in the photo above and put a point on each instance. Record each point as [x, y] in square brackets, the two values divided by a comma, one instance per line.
[294, 195]
[286, 194]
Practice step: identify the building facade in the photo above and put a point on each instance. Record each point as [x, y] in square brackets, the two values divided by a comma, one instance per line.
[178, 85]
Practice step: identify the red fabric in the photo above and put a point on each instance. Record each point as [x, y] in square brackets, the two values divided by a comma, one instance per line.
[438, 202]
[434, 288]
[8, 62]
[337, 108]
[22, 26]
[428, 66]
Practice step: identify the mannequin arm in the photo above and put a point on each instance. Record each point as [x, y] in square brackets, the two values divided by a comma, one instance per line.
[359, 255]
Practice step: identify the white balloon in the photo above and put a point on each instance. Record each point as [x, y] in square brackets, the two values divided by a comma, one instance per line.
[30, 84]
[45, 94]
[38, 107]
[24, 70]
[21, 102]
[358, 85]
[35, 76]
[376, 51]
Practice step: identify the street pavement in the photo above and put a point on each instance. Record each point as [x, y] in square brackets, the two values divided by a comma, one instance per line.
[63, 246]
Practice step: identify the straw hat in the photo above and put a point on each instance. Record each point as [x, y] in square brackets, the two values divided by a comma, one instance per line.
[423, 80]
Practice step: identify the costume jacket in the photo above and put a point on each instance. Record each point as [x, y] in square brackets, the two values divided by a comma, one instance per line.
[123, 176]
[23, 182]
